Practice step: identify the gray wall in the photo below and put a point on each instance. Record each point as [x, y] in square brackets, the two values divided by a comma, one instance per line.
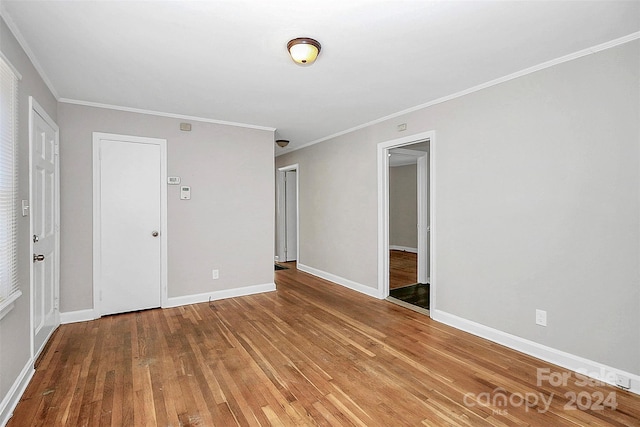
[15, 349]
[403, 206]
[228, 223]
[537, 205]
[337, 206]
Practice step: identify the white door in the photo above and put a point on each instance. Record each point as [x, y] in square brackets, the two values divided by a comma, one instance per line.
[129, 230]
[291, 215]
[44, 226]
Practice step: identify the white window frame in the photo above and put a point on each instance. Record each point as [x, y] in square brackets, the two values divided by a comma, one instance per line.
[9, 284]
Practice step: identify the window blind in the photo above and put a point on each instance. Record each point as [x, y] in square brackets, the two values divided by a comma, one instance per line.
[9, 287]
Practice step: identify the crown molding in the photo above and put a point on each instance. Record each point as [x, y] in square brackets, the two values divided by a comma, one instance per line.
[163, 114]
[27, 50]
[542, 66]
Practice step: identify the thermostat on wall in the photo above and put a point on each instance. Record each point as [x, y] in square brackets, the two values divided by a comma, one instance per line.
[173, 180]
[185, 193]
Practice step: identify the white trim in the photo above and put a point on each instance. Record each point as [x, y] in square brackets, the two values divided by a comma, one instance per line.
[27, 50]
[78, 316]
[383, 210]
[280, 217]
[44, 345]
[163, 114]
[432, 224]
[162, 143]
[33, 104]
[8, 305]
[403, 248]
[530, 70]
[423, 218]
[383, 221]
[363, 289]
[566, 360]
[16, 391]
[91, 314]
[218, 295]
[164, 225]
[36, 108]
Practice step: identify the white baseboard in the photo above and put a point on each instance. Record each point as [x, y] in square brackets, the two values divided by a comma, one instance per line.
[15, 392]
[78, 316]
[216, 295]
[367, 290]
[569, 361]
[90, 314]
[403, 248]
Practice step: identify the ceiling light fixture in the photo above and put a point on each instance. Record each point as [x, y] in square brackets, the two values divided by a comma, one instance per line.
[282, 142]
[303, 50]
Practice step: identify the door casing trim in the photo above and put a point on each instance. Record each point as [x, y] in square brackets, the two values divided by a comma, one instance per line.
[383, 211]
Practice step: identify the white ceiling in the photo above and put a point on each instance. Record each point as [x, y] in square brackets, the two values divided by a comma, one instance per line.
[227, 60]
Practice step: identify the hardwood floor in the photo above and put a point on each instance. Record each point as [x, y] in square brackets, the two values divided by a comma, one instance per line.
[403, 269]
[311, 353]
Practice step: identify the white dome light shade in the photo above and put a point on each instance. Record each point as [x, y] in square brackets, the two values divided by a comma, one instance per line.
[303, 50]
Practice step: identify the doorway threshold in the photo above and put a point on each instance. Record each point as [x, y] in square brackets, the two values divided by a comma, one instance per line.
[408, 305]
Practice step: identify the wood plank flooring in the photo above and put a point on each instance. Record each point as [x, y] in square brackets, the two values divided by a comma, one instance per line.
[311, 353]
[403, 269]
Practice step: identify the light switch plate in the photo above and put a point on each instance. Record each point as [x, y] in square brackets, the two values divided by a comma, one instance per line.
[173, 180]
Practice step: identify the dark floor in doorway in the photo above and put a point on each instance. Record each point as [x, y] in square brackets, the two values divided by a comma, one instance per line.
[417, 294]
[279, 267]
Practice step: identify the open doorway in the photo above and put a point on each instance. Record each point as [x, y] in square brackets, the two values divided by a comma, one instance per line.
[405, 175]
[287, 216]
[405, 284]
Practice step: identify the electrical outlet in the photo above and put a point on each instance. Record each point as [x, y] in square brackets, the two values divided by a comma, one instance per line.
[541, 317]
[215, 274]
[622, 381]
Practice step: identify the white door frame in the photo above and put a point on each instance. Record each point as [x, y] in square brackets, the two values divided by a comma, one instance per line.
[35, 108]
[383, 211]
[423, 222]
[280, 212]
[97, 256]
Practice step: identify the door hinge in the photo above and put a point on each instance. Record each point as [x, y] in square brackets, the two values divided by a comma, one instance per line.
[56, 149]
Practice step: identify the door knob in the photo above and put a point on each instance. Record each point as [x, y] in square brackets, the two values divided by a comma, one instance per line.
[38, 257]
[155, 233]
